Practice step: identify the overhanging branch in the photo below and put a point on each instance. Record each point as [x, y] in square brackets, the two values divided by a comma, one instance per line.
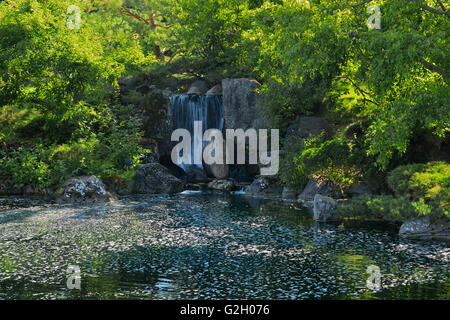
[361, 3]
[432, 10]
[434, 68]
[361, 91]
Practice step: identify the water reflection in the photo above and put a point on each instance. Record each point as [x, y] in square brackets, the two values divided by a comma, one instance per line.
[195, 246]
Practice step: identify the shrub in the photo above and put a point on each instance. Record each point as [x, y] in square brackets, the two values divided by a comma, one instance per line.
[388, 207]
[430, 182]
[420, 190]
[336, 160]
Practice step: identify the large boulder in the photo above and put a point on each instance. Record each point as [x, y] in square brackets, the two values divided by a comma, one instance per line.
[7, 187]
[222, 185]
[324, 208]
[154, 178]
[33, 190]
[153, 109]
[265, 186]
[156, 108]
[195, 174]
[215, 91]
[306, 127]
[84, 189]
[218, 171]
[244, 173]
[423, 228]
[198, 88]
[119, 185]
[242, 104]
[319, 186]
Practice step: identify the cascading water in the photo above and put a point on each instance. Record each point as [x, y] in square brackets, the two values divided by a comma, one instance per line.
[189, 108]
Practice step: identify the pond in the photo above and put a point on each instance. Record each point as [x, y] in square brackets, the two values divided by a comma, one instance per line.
[208, 246]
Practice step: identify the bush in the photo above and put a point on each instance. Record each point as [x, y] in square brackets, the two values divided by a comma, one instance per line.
[430, 182]
[384, 207]
[336, 160]
[99, 143]
[420, 190]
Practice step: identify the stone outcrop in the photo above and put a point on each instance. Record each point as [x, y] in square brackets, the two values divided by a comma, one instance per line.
[215, 91]
[156, 108]
[32, 190]
[154, 178]
[195, 174]
[119, 185]
[242, 104]
[218, 171]
[84, 189]
[222, 185]
[319, 186]
[423, 228]
[7, 187]
[324, 208]
[198, 88]
[265, 186]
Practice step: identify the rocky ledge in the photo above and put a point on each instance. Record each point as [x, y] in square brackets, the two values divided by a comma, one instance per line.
[84, 189]
[154, 178]
[425, 229]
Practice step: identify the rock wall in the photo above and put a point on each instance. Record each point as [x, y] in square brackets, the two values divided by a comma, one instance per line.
[242, 104]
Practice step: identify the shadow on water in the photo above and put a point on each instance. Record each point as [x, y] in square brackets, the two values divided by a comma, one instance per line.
[210, 247]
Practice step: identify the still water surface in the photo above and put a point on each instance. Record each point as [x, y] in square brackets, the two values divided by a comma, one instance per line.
[200, 246]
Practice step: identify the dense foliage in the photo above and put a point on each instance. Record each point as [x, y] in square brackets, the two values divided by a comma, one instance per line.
[419, 190]
[384, 89]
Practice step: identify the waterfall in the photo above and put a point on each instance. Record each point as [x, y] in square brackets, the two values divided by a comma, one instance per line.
[189, 108]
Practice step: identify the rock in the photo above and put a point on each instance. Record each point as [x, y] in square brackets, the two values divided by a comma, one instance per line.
[218, 171]
[308, 126]
[359, 189]
[152, 145]
[154, 178]
[242, 104]
[198, 88]
[195, 174]
[265, 186]
[245, 173]
[84, 189]
[319, 186]
[222, 185]
[8, 188]
[289, 194]
[423, 228]
[324, 208]
[119, 185]
[193, 187]
[215, 91]
[31, 190]
[157, 122]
